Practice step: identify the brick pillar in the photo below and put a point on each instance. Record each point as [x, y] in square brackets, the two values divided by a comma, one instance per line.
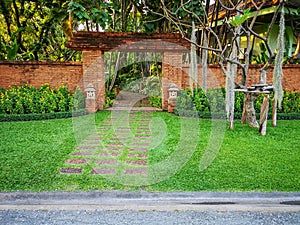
[171, 73]
[93, 73]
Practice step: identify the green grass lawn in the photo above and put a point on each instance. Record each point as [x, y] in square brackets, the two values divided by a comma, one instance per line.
[32, 154]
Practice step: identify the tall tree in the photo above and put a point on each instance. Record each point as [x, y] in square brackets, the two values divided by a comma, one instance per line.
[224, 22]
[31, 30]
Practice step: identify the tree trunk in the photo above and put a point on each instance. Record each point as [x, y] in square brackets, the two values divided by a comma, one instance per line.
[244, 118]
[264, 115]
[249, 109]
[116, 72]
[274, 113]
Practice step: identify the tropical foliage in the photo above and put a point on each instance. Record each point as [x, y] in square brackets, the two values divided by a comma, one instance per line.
[38, 30]
[214, 101]
[28, 99]
[33, 30]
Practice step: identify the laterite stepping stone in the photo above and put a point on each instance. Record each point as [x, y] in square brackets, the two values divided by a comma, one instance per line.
[76, 161]
[122, 128]
[106, 154]
[82, 154]
[141, 144]
[142, 133]
[104, 128]
[112, 149]
[140, 156]
[117, 130]
[91, 143]
[139, 149]
[94, 139]
[131, 155]
[115, 144]
[87, 148]
[103, 171]
[142, 137]
[142, 140]
[71, 170]
[117, 139]
[134, 171]
[107, 162]
[137, 162]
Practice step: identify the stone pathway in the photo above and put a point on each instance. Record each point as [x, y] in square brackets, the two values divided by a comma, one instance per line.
[120, 147]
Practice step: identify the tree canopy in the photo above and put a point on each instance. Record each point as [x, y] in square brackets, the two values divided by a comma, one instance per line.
[38, 29]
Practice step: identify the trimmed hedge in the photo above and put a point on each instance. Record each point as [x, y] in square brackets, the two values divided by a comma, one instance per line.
[208, 115]
[42, 116]
[201, 104]
[28, 99]
[23, 103]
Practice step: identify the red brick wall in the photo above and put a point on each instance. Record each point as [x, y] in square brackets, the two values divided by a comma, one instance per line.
[56, 74]
[38, 73]
[291, 76]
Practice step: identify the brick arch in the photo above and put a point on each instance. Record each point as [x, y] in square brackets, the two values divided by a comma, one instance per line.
[94, 44]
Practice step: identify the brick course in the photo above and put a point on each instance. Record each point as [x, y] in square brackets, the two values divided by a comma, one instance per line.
[291, 76]
[71, 74]
[38, 73]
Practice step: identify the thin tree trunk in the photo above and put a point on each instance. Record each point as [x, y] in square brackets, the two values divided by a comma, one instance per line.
[264, 115]
[244, 117]
[250, 110]
[231, 70]
[274, 113]
[116, 72]
[109, 69]
[204, 61]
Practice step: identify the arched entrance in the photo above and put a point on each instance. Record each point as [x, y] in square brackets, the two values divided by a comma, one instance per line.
[94, 44]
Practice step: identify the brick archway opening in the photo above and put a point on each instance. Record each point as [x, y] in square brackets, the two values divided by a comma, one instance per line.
[94, 44]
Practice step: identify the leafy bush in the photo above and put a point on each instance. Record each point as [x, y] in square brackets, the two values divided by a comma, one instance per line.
[43, 116]
[155, 101]
[28, 99]
[109, 99]
[214, 101]
[150, 86]
[290, 102]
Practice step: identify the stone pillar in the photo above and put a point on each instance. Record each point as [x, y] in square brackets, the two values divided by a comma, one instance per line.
[90, 98]
[171, 71]
[93, 74]
[173, 93]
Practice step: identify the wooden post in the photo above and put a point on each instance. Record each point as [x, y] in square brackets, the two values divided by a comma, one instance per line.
[274, 113]
[244, 116]
[264, 115]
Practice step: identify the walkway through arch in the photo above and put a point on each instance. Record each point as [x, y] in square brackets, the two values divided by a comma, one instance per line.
[94, 44]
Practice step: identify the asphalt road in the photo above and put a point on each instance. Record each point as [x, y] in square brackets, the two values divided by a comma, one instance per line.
[149, 208]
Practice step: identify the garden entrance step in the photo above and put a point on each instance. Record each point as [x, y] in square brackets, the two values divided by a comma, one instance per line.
[130, 101]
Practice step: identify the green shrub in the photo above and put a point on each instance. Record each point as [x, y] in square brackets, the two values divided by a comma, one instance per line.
[78, 100]
[28, 99]
[214, 101]
[109, 98]
[155, 101]
[44, 116]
